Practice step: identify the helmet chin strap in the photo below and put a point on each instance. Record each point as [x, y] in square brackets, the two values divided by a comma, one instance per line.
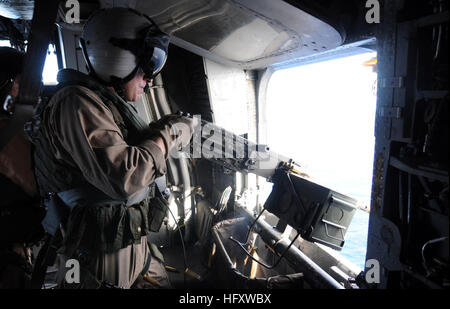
[147, 88]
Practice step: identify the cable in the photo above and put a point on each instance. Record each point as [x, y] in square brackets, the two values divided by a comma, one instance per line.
[429, 243]
[438, 44]
[182, 244]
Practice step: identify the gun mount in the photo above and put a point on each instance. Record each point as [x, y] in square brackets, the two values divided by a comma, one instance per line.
[317, 213]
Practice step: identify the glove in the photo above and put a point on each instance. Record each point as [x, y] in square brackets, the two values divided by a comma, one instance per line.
[175, 130]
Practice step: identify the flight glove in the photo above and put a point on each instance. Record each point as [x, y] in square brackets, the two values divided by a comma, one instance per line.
[175, 130]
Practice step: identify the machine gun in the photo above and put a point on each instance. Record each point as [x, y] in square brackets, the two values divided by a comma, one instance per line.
[317, 213]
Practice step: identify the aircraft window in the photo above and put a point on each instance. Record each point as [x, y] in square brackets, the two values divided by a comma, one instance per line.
[50, 67]
[323, 116]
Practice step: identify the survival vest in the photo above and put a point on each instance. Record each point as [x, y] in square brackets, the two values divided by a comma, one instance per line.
[94, 222]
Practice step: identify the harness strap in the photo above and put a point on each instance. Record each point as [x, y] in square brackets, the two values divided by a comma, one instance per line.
[147, 264]
[89, 195]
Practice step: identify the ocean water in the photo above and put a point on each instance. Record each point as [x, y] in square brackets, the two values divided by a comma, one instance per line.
[356, 239]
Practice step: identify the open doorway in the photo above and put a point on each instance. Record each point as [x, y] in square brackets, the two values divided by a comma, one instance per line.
[322, 115]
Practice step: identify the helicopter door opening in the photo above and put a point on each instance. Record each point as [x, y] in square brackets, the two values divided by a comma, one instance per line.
[322, 115]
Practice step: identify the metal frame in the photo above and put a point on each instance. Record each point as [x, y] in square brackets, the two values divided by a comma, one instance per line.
[241, 245]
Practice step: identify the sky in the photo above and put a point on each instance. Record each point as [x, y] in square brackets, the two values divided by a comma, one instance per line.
[50, 67]
[322, 115]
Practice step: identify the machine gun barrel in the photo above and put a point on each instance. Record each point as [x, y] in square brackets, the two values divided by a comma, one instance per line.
[236, 152]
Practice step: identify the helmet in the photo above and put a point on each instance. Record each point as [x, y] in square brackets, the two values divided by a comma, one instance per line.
[117, 42]
[10, 64]
[11, 61]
